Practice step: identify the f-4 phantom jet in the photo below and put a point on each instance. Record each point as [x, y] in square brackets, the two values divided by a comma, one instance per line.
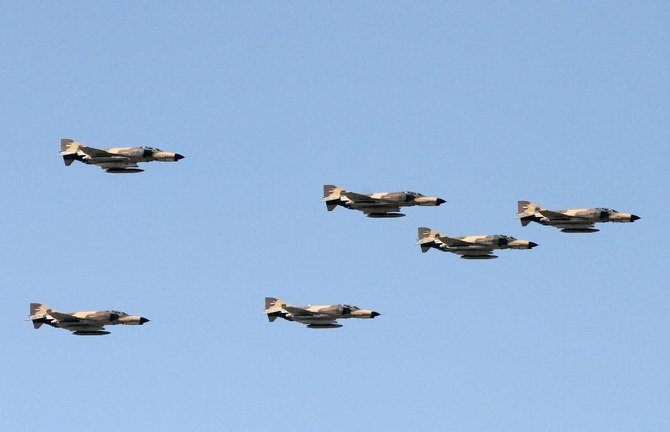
[90, 323]
[114, 160]
[376, 205]
[572, 220]
[315, 317]
[469, 247]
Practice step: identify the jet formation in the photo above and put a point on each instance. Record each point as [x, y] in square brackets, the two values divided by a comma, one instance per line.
[117, 160]
[376, 205]
[88, 323]
[470, 247]
[572, 220]
[314, 317]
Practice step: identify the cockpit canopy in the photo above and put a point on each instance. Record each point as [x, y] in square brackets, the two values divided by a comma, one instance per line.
[118, 313]
[416, 194]
[607, 210]
[153, 149]
[350, 307]
[506, 237]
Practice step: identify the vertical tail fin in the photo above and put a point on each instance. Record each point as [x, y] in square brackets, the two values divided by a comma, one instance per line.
[65, 143]
[331, 196]
[332, 191]
[68, 149]
[526, 211]
[273, 307]
[527, 207]
[38, 313]
[426, 238]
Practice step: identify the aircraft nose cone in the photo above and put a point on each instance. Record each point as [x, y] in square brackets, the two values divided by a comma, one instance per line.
[177, 157]
[531, 245]
[143, 320]
[633, 218]
[440, 201]
[374, 314]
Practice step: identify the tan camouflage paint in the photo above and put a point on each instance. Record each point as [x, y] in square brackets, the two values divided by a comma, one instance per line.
[570, 220]
[378, 204]
[83, 322]
[323, 316]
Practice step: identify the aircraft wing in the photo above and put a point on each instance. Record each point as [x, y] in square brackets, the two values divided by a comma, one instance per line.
[309, 318]
[364, 199]
[558, 216]
[63, 317]
[296, 311]
[78, 325]
[457, 242]
[110, 162]
[96, 153]
[369, 205]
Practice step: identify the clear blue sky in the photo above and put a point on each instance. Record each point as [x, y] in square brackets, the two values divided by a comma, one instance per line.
[481, 103]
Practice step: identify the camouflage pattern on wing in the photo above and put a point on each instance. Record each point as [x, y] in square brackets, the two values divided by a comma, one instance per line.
[360, 199]
[454, 241]
[96, 153]
[556, 215]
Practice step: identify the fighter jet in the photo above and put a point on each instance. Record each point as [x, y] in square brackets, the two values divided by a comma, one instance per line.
[90, 323]
[376, 205]
[571, 220]
[315, 317]
[469, 247]
[114, 160]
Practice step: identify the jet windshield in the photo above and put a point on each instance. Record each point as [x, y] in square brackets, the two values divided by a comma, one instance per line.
[417, 194]
[153, 149]
[118, 313]
[351, 307]
[608, 210]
